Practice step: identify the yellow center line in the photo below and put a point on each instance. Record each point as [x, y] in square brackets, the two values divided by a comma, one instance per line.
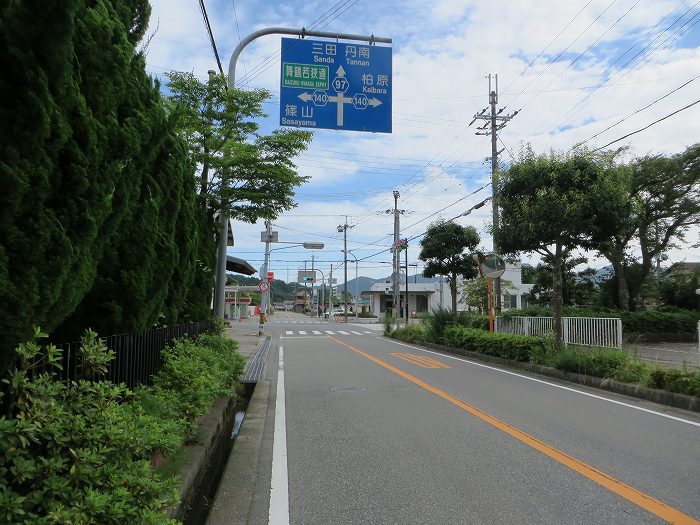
[648, 503]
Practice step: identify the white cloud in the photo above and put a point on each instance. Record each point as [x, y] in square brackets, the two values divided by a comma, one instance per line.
[442, 52]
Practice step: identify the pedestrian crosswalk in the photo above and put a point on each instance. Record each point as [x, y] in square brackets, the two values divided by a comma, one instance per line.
[285, 321]
[296, 333]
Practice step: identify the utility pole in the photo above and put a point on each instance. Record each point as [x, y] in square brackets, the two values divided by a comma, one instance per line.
[407, 285]
[343, 228]
[313, 269]
[330, 293]
[396, 262]
[265, 297]
[496, 121]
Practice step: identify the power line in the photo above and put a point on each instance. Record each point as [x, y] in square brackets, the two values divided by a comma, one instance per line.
[203, 9]
[263, 66]
[238, 30]
[637, 111]
[648, 125]
[589, 98]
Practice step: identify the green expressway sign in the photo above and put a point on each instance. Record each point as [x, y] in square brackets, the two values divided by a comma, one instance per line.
[309, 76]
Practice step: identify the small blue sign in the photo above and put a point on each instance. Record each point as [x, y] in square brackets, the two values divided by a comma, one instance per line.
[332, 85]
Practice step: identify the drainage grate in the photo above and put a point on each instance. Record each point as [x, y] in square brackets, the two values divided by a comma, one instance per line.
[343, 389]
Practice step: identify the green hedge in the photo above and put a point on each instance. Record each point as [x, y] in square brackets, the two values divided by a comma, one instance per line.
[598, 362]
[647, 322]
[412, 333]
[81, 452]
[507, 346]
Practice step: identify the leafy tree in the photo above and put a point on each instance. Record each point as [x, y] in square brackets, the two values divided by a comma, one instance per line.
[653, 200]
[475, 292]
[75, 123]
[251, 175]
[677, 287]
[150, 264]
[548, 204]
[443, 247]
[578, 288]
[670, 193]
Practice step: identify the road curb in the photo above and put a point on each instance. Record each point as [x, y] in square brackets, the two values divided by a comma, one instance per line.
[661, 397]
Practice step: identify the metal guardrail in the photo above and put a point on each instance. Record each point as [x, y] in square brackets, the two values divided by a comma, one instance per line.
[587, 331]
[255, 366]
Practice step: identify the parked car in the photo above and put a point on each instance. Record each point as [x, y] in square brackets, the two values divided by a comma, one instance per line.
[337, 311]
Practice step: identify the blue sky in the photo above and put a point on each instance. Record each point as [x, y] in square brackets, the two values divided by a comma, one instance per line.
[572, 68]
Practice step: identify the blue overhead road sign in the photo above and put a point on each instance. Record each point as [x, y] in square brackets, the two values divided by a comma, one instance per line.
[332, 85]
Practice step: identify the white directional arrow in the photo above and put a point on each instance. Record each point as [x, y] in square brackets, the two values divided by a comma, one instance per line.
[374, 102]
[305, 96]
[340, 72]
[341, 99]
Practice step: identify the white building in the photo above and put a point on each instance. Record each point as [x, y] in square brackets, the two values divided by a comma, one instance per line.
[514, 299]
[423, 297]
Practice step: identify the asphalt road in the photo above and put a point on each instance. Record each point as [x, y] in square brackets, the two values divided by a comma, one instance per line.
[382, 432]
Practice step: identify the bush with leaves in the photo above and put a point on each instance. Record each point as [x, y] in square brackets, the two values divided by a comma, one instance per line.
[196, 372]
[646, 322]
[507, 346]
[389, 324]
[412, 333]
[80, 452]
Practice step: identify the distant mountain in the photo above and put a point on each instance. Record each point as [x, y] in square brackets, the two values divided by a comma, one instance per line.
[365, 283]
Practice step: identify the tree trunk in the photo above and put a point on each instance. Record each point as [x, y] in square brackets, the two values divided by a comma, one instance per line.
[557, 296]
[453, 293]
[623, 293]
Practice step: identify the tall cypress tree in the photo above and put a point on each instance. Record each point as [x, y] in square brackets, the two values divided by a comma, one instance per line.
[146, 267]
[78, 117]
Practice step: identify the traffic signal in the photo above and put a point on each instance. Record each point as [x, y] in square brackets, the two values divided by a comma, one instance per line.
[307, 279]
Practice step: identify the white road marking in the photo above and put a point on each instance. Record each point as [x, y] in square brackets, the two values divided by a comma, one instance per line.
[464, 360]
[316, 332]
[329, 332]
[302, 332]
[279, 485]
[367, 332]
[344, 333]
[356, 333]
[288, 332]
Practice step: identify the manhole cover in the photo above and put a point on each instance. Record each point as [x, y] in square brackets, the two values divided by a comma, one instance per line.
[348, 389]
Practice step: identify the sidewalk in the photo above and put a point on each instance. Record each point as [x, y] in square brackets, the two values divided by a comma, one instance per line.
[242, 495]
[246, 333]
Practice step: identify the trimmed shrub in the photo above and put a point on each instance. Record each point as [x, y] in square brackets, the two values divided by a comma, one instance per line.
[412, 333]
[507, 346]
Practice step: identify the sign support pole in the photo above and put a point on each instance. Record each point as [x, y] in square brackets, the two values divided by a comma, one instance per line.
[223, 218]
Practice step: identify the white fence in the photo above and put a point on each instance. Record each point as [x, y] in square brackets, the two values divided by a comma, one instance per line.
[589, 331]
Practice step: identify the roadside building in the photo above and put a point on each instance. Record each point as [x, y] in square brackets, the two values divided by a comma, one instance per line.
[423, 297]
